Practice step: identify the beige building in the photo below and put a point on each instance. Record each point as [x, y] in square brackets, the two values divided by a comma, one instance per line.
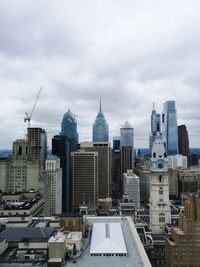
[183, 245]
[19, 173]
[84, 178]
[53, 186]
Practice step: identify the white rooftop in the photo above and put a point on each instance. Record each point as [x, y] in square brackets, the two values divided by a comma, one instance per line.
[107, 238]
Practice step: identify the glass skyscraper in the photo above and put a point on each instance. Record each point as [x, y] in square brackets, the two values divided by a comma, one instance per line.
[169, 127]
[100, 128]
[69, 129]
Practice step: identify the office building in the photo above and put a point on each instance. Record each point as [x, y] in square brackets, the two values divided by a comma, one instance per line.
[20, 173]
[69, 129]
[155, 126]
[159, 205]
[53, 186]
[84, 178]
[116, 161]
[126, 149]
[104, 166]
[61, 148]
[169, 128]
[177, 161]
[37, 145]
[182, 246]
[131, 187]
[100, 128]
[183, 142]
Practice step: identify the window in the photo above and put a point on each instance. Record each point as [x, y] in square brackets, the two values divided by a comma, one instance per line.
[160, 178]
[160, 191]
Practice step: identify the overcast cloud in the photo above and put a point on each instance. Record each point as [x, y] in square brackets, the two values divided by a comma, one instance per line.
[129, 53]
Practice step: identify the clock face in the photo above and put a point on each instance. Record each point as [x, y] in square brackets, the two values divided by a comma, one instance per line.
[160, 165]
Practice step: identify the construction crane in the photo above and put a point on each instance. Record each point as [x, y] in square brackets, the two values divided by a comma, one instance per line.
[28, 117]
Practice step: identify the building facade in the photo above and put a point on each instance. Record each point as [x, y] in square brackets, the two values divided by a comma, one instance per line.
[183, 246]
[131, 187]
[183, 142]
[61, 148]
[159, 205]
[155, 126]
[100, 128]
[104, 166]
[53, 186]
[84, 178]
[169, 128]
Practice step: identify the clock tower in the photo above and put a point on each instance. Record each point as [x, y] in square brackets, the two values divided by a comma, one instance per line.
[159, 205]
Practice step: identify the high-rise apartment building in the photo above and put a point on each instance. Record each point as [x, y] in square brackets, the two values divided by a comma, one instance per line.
[155, 126]
[159, 205]
[169, 127]
[37, 145]
[183, 142]
[126, 149]
[61, 148]
[84, 178]
[53, 186]
[104, 166]
[100, 128]
[69, 129]
[131, 187]
[183, 245]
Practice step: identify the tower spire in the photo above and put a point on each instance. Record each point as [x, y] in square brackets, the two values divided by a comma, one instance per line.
[153, 105]
[100, 105]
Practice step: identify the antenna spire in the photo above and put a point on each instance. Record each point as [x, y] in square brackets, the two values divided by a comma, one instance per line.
[153, 105]
[100, 105]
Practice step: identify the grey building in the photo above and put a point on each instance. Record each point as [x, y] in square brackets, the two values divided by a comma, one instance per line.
[131, 187]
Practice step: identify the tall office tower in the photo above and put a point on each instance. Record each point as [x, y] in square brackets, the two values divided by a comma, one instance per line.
[116, 161]
[169, 128]
[126, 150]
[37, 145]
[69, 129]
[131, 187]
[20, 174]
[183, 142]
[53, 187]
[155, 126]
[104, 166]
[61, 148]
[84, 178]
[182, 246]
[159, 205]
[100, 128]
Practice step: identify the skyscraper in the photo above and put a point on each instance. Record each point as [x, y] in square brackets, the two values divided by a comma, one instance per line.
[37, 145]
[155, 126]
[126, 149]
[104, 166]
[69, 129]
[84, 178]
[159, 205]
[183, 142]
[61, 148]
[100, 128]
[169, 127]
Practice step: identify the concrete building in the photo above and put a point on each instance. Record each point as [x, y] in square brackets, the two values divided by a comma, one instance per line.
[19, 173]
[126, 150]
[53, 187]
[131, 187]
[182, 246]
[177, 161]
[159, 205]
[37, 145]
[85, 178]
[104, 166]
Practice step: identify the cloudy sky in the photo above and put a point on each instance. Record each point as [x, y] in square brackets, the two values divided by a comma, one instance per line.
[129, 53]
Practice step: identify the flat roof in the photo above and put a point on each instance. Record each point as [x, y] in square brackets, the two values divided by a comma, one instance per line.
[136, 257]
[107, 238]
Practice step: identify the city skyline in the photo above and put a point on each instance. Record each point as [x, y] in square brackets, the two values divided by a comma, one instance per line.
[128, 54]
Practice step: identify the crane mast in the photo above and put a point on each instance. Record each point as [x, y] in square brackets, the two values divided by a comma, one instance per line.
[28, 117]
